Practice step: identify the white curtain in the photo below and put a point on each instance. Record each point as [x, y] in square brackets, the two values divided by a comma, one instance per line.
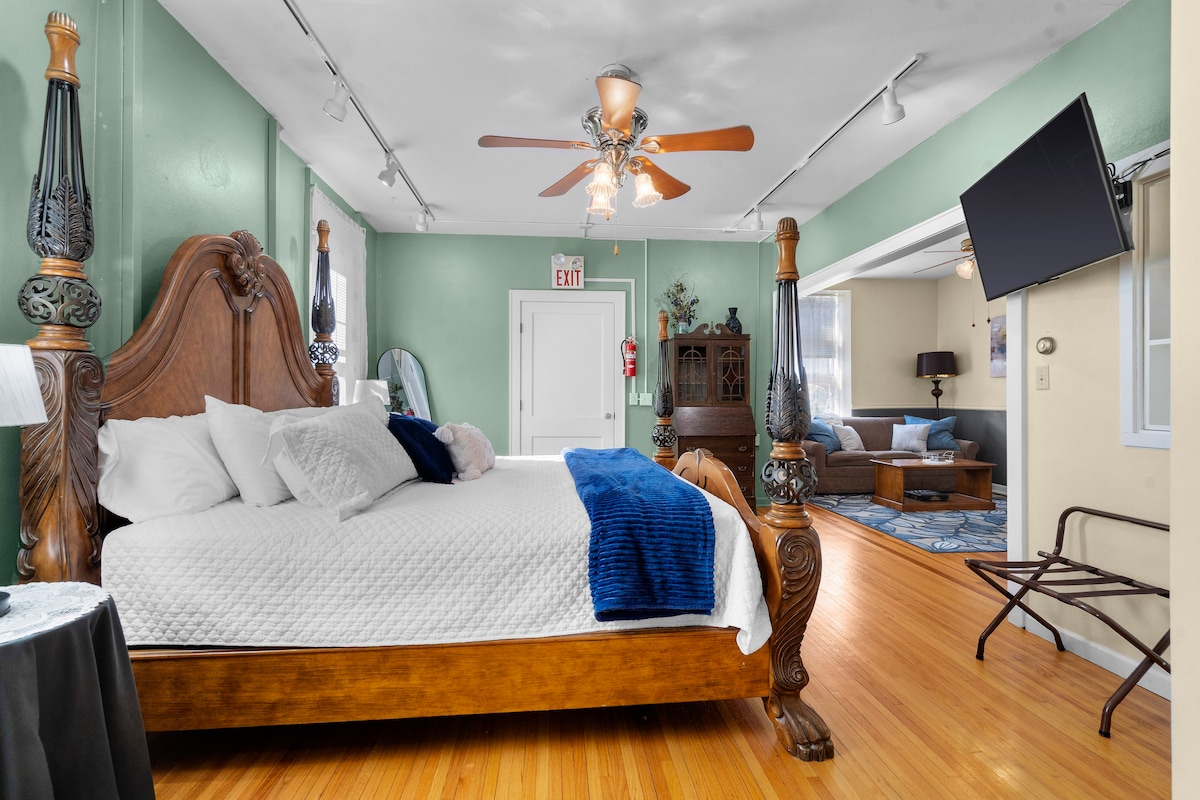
[825, 341]
[348, 277]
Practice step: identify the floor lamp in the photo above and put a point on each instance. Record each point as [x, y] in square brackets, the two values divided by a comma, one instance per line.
[935, 366]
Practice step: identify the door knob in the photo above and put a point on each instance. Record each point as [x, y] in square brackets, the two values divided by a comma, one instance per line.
[608, 415]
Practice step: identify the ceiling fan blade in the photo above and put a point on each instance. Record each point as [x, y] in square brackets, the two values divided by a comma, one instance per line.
[739, 137]
[618, 96]
[513, 141]
[669, 186]
[569, 180]
[961, 257]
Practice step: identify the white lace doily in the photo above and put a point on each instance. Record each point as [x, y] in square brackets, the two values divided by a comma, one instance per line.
[39, 607]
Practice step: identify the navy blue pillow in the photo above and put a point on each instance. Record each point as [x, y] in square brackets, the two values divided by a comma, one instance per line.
[430, 456]
[941, 432]
[822, 432]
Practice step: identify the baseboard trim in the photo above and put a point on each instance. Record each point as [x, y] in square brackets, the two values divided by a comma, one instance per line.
[1157, 680]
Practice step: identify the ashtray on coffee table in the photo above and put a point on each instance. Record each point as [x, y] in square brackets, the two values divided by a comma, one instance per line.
[972, 484]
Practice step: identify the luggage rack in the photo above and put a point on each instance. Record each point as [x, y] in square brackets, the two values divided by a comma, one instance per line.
[1073, 583]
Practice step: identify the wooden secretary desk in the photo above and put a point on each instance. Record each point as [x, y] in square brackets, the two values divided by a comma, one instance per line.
[710, 372]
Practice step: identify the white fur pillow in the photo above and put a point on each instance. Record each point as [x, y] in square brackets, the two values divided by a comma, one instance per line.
[910, 437]
[848, 437]
[341, 461]
[470, 451]
[153, 467]
[240, 434]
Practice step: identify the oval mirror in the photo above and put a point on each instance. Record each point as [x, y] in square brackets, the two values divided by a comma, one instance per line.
[406, 382]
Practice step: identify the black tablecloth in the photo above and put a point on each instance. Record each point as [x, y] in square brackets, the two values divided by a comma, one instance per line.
[70, 724]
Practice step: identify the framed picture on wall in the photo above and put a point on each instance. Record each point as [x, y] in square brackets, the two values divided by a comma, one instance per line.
[998, 347]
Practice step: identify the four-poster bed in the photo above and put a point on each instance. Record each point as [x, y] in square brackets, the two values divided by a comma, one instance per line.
[225, 325]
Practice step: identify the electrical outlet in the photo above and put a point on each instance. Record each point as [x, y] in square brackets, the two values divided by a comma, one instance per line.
[1041, 376]
[647, 398]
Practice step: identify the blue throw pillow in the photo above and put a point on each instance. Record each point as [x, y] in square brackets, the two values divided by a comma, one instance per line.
[821, 432]
[941, 432]
[429, 455]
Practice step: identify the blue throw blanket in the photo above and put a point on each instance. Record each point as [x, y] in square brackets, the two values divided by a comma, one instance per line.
[651, 550]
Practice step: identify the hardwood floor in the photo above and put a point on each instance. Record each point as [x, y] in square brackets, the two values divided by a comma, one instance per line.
[891, 655]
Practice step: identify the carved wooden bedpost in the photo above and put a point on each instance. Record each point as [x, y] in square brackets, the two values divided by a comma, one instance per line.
[323, 352]
[58, 457]
[664, 400]
[789, 480]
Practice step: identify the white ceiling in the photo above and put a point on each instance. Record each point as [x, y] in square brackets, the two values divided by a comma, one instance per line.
[435, 76]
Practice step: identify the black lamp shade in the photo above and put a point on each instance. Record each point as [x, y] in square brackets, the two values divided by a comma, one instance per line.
[937, 364]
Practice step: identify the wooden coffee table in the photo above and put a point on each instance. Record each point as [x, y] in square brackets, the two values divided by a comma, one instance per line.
[972, 484]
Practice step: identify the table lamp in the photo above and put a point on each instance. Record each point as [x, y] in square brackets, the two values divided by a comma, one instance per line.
[20, 400]
[936, 365]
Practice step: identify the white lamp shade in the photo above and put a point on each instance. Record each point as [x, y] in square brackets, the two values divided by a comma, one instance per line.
[20, 391]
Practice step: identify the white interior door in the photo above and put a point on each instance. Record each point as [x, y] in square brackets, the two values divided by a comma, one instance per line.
[565, 374]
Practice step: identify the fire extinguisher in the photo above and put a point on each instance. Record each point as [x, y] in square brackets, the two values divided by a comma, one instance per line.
[629, 351]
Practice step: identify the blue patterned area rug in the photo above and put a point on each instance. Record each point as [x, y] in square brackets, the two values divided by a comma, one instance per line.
[935, 531]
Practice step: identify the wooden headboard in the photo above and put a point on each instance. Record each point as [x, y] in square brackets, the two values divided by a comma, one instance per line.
[225, 323]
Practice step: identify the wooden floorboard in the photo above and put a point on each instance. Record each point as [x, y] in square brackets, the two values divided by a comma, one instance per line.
[890, 652]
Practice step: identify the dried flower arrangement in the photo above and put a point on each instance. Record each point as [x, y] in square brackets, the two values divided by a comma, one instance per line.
[680, 302]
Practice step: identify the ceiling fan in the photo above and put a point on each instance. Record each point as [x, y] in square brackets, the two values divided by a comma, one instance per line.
[615, 128]
[966, 251]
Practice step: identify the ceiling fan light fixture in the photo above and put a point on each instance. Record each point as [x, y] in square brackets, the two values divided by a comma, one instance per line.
[388, 176]
[603, 183]
[892, 110]
[601, 204]
[966, 269]
[647, 195]
[336, 106]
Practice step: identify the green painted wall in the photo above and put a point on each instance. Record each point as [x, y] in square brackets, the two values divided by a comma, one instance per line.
[173, 147]
[445, 298]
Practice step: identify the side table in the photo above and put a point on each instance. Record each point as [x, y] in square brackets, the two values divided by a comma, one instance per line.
[70, 723]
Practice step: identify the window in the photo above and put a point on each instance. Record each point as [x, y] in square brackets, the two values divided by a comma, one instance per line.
[825, 344]
[1145, 313]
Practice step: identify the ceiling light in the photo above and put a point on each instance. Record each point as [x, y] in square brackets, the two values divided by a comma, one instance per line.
[603, 183]
[647, 195]
[966, 269]
[336, 105]
[601, 204]
[388, 176]
[756, 220]
[892, 110]
[422, 222]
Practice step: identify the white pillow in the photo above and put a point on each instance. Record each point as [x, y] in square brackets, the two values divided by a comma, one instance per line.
[240, 434]
[470, 451]
[910, 437]
[154, 467]
[341, 461]
[848, 437]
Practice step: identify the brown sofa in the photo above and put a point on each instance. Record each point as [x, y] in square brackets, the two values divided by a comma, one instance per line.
[851, 471]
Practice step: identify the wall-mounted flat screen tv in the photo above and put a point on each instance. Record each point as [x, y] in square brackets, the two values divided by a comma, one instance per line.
[1046, 209]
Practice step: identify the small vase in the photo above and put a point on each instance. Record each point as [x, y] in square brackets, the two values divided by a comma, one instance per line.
[732, 322]
[682, 327]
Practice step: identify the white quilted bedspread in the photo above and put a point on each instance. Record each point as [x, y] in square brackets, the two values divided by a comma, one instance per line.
[501, 557]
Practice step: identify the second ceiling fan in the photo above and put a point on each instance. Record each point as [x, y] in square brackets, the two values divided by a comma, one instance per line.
[615, 128]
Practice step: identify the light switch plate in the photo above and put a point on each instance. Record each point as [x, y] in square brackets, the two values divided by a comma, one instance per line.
[647, 398]
[1041, 376]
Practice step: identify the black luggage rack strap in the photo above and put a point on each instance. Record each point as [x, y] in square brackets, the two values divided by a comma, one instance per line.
[1073, 582]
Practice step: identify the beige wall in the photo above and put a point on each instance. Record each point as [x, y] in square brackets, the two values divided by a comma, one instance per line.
[936, 315]
[1074, 454]
[963, 328]
[1185, 433]
[890, 322]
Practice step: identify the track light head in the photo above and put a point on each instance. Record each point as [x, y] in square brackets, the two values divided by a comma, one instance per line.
[336, 105]
[422, 222]
[756, 223]
[892, 110]
[388, 176]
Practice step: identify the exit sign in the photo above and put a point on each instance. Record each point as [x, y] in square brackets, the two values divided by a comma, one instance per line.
[566, 272]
